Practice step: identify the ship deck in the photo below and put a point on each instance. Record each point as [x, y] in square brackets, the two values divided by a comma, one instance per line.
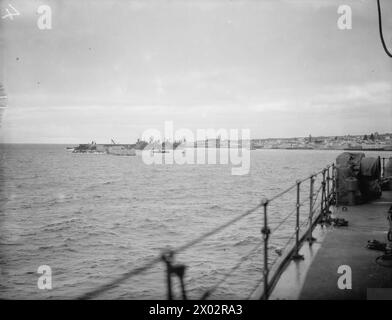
[316, 277]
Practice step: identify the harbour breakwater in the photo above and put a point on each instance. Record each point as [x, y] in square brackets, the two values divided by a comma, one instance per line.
[115, 149]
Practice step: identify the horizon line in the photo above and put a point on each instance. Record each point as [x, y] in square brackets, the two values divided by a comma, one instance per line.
[270, 138]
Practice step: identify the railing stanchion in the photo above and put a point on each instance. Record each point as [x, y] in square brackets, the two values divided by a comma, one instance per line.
[173, 269]
[266, 232]
[328, 185]
[297, 256]
[334, 195]
[323, 196]
[310, 236]
[168, 258]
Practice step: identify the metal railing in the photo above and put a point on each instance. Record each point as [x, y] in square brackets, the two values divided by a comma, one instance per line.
[320, 202]
[320, 198]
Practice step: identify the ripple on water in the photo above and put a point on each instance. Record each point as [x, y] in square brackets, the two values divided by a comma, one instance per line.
[93, 218]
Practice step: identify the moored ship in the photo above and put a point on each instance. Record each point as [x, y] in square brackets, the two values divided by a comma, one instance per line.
[113, 148]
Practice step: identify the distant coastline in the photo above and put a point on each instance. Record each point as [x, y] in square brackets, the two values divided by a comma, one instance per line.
[366, 142]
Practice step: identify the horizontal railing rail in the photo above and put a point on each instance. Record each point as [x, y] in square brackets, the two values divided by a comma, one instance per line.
[319, 202]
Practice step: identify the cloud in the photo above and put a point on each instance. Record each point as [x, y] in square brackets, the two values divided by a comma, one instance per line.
[354, 99]
[280, 67]
[275, 106]
[322, 4]
[368, 94]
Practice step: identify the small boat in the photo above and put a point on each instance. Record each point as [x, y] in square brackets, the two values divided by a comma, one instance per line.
[160, 151]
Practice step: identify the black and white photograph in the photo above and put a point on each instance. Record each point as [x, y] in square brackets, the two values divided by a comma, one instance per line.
[206, 150]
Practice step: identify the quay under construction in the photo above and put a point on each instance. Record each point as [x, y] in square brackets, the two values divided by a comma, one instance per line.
[113, 148]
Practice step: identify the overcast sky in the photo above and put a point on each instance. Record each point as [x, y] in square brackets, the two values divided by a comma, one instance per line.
[112, 69]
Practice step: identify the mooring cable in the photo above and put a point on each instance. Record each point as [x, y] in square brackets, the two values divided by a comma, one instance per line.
[380, 30]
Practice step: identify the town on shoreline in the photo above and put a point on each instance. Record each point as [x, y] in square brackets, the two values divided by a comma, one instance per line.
[372, 141]
[367, 142]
